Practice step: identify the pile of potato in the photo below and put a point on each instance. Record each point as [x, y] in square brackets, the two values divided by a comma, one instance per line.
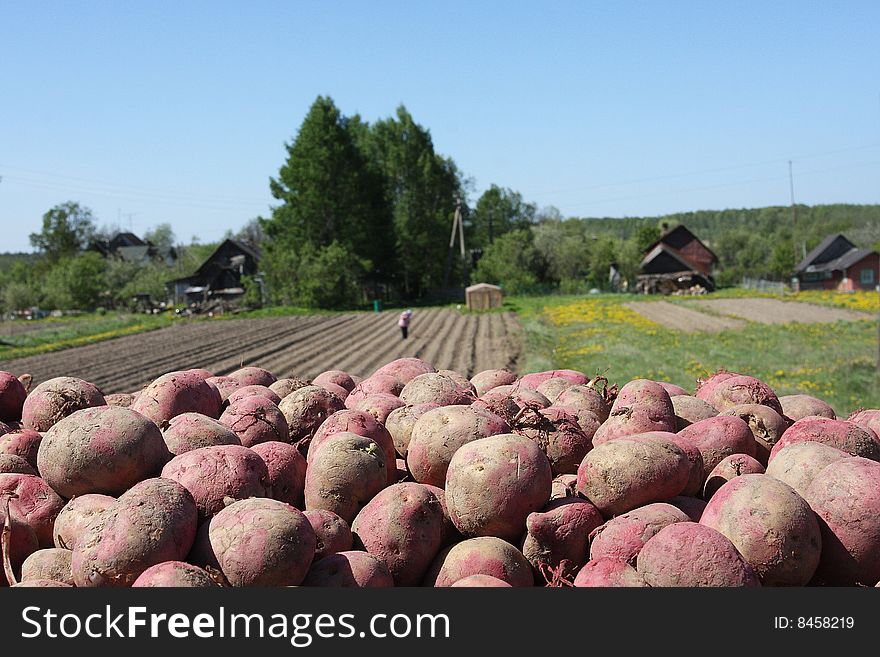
[419, 477]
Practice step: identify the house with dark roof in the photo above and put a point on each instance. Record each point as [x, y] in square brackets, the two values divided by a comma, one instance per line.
[132, 248]
[678, 260]
[837, 263]
[218, 277]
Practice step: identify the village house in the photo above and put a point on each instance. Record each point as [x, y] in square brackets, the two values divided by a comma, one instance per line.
[838, 264]
[219, 277]
[132, 248]
[677, 261]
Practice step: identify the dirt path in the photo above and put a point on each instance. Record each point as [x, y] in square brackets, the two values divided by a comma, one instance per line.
[682, 319]
[288, 346]
[774, 311]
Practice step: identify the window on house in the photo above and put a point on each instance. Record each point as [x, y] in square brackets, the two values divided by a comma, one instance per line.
[866, 277]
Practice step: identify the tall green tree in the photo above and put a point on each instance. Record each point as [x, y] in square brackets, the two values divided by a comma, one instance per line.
[421, 188]
[67, 229]
[498, 211]
[328, 194]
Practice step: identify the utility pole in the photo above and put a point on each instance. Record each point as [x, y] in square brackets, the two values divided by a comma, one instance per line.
[793, 214]
[457, 227]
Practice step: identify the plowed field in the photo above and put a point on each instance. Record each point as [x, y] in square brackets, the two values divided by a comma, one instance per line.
[299, 346]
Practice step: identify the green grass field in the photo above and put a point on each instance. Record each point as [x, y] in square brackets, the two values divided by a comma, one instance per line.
[22, 338]
[599, 335]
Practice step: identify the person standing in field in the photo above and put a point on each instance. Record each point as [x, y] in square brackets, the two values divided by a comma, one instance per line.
[403, 322]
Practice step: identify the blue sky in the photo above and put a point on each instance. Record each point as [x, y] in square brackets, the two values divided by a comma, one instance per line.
[178, 112]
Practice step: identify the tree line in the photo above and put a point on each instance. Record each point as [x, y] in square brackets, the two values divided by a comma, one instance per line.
[365, 211]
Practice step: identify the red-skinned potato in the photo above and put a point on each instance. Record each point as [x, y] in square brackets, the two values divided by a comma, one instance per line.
[20, 542]
[332, 532]
[440, 432]
[487, 379]
[13, 464]
[738, 390]
[625, 535]
[627, 473]
[189, 431]
[153, 521]
[175, 393]
[406, 369]
[557, 537]
[360, 423]
[551, 388]
[253, 376]
[867, 419]
[799, 463]
[256, 420]
[175, 574]
[608, 572]
[374, 385]
[534, 379]
[586, 398]
[687, 554]
[345, 473]
[261, 542]
[34, 501]
[55, 399]
[75, 517]
[380, 405]
[254, 391]
[287, 471]
[283, 387]
[558, 434]
[305, 409]
[349, 569]
[671, 389]
[719, 437]
[436, 388]
[729, 468]
[706, 387]
[848, 436]
[12, 396]
[845, 496]
[217, 476]
[400, 423]
[484, 555]
[494, 483]
[689, 410]
[48, 563]
[402, 526]
[105, 450]
[792, 557]
[336, 377]
[22, 442]
[480, 581]
[640, 407]
[765, 424]
[223, 385]
[795, 407]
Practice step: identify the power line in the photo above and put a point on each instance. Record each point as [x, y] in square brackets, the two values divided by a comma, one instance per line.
[190, 201]
[715, 186]
[700, 172]
[115, 187]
